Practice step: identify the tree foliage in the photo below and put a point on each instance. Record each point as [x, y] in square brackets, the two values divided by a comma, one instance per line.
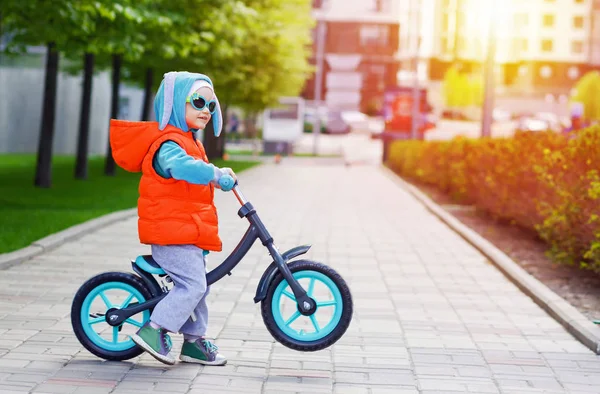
[587, 91]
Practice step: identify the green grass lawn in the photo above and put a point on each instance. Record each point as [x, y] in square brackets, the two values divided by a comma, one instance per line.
[28, 213]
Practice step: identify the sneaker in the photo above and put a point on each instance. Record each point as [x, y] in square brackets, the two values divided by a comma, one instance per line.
[156, 342]
[201, 351]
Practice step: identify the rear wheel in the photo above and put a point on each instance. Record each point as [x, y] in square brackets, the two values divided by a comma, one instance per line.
[329, 321]
[90, 305]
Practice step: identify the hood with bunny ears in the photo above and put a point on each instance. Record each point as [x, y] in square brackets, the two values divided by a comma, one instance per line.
[169, 103]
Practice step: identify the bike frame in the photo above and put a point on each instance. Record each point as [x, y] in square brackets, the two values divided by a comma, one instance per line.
[257, 230]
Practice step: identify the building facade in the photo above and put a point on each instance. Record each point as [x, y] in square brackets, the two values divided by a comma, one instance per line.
[541, 45]
[360, 48]
[595, 34]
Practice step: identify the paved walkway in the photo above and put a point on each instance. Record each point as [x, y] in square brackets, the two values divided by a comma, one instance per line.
[431, 314]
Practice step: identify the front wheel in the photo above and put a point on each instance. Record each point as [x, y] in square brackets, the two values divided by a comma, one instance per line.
[90, 304]
[329, 321]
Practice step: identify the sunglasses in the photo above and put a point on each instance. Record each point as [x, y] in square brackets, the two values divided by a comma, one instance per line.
[199, 102]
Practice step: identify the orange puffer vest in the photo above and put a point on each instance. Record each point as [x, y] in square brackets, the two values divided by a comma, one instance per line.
[171, 212]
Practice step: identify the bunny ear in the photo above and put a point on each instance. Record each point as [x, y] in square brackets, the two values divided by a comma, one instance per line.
[217, 118]
[168, 92]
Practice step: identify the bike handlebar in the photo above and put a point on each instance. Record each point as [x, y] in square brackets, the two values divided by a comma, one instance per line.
[238, 194]
[226, 182]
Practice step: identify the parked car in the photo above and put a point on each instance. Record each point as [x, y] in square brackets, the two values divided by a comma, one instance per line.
[357, 120]
[332, 121]
[309, 117]
[541, 121]
[501, 115]
[454, 115]
[336, 123]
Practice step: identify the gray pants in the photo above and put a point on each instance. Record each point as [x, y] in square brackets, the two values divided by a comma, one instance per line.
[186, 265]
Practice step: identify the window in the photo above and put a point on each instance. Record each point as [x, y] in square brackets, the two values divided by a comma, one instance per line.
[374, 35]
[523, 44]
[444, 45]
[381, 5]
[577, 47]
[578, 22]
[375, 69]
[445, 23]
[548, 20]
[520, 46]
[546, 72]
[547, 45]
[521, 20]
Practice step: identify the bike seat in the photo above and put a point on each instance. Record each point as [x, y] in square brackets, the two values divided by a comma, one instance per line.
[148, 264]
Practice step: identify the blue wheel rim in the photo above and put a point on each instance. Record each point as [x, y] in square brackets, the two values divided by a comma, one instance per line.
[88, 322]
[283, 292]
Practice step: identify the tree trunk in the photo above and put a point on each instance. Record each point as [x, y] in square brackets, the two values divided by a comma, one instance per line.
[43, 171]
[215, 147]
[110, 167]
[81, 165]
[250, 125]
[147, 93]
[210, 142]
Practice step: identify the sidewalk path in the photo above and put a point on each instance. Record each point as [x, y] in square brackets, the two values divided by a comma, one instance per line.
[431, 314]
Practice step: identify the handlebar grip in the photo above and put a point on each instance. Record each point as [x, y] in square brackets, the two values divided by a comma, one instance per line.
[226, 183]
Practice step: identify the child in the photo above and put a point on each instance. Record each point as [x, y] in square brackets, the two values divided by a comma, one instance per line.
[177, 216]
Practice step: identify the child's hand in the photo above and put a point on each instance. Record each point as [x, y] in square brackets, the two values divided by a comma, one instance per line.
[229, 171]
[226, 183]
[219, 174]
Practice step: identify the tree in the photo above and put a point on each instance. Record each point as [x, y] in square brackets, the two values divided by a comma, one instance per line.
[254, 51]
[587, 91]
[271, 60]
[55, 24]
[122, 38]
[81, 167]
[462, 90]
[451, 87]
[476, 89]
[114, 32]
[166, 47]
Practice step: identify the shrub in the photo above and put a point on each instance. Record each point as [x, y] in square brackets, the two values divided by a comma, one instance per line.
[542, 181]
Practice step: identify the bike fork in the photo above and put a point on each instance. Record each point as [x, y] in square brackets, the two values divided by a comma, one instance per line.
[306, 305]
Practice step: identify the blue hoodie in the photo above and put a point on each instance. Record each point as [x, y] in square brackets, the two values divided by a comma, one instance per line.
[172, 161]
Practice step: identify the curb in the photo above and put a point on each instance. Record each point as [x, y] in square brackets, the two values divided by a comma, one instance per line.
[563, 312]
[52, 241]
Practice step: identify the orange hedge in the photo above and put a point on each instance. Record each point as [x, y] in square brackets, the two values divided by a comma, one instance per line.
[542, 181]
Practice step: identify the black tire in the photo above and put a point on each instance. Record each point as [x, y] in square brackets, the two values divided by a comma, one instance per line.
[329, 339]
[78, 300]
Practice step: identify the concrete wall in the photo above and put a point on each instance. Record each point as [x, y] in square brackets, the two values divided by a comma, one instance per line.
[21, 95]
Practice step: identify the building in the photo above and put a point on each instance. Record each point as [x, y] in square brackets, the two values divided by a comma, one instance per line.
[360, 48]
[541, 45]
[595, 34]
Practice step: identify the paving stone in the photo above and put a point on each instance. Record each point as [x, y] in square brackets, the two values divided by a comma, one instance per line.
[33, 378]
[431, 314]
[8, 388]
[164, 387]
